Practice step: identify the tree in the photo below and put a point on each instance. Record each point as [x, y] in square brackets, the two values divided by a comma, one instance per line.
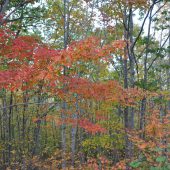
[88, 101]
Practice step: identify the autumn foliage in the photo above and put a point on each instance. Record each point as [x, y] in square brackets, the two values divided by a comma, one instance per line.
[33, 65]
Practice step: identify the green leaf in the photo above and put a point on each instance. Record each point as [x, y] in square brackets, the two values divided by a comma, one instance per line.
[154, 168]
[161, 159]
[157, 149]
[135, 164]
[159, 168]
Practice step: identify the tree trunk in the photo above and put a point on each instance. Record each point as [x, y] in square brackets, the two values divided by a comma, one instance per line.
[64, 107]
[143, 104]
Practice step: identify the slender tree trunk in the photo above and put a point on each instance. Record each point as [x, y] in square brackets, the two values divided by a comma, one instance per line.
[132, 64]
[64, 107]
[74, 132]
[168, 71]
[38, 125]
[143, 103]
[73, 140]
[5, 130]
[132, 76]
[129, 112]
[125, 72]
[9, 128]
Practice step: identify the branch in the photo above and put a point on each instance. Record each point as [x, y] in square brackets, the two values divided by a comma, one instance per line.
[158, 51]
[16, 8]
[159, 9]
[140, 32]
[16, 19]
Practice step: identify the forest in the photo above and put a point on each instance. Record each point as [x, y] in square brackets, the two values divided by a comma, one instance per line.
[84, 84]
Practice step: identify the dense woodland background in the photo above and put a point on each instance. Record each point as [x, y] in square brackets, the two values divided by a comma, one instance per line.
[84, 84]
